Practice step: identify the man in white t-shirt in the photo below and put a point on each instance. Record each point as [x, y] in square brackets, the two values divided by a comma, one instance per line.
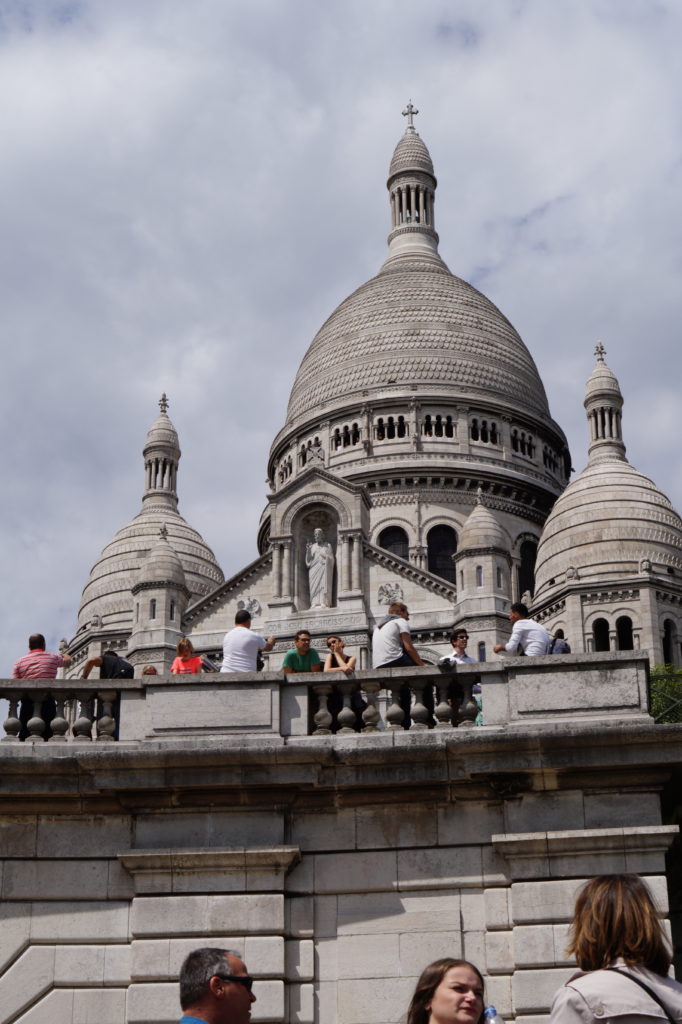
[241, 647]
[392, 643]
[527, 634]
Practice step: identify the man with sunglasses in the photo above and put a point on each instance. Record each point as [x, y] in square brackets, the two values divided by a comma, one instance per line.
[215, 988]
[459, 639]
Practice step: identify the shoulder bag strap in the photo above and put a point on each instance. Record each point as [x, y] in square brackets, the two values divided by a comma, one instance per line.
[647, 989]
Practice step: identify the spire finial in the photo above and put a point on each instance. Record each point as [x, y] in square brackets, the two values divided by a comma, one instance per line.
[409, 113]
[599, 351]
[163, 403]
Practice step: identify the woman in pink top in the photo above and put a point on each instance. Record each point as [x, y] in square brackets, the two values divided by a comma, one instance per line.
[187, 662]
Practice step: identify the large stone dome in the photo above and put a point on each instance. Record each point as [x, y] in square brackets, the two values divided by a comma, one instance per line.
[604, 525]
[612, 520]
[417, 327]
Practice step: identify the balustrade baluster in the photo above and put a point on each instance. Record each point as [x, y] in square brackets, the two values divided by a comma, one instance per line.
[106, 723]
[36, 724]
[443, 709]
[419, 712]
[395, 715]
[12, 724]
[83, 725]
[371, 716]
[468, 709]
[346, 716]
[59, 724]
[322, 718]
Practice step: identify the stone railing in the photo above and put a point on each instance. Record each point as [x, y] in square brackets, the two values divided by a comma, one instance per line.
[515, 692]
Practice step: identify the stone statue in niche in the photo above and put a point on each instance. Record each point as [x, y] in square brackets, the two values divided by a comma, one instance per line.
[319, 558]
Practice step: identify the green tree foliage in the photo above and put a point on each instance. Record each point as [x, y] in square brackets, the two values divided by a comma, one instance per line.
[666, 694]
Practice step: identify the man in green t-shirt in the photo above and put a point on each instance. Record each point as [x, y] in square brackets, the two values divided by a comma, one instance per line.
[301, 658]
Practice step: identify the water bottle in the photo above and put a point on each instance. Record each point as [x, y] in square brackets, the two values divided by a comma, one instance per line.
[492, 1016]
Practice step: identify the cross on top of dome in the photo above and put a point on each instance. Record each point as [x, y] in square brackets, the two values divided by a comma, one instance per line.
[163, 403]
[409, 112]
[599, 351]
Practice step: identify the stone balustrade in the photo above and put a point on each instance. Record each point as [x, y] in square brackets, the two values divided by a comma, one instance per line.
[516, 692]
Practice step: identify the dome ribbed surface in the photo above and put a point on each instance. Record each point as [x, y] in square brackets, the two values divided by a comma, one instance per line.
[416, 323]
[162, 565]
[107, 592]
[604, 524]
[162, 432]
[602, 379]
[482, 530]
[410, 155]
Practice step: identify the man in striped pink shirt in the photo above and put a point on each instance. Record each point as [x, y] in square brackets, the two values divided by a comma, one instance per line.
[38, 663]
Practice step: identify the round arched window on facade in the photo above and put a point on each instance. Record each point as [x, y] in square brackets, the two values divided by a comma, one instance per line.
[394, 539]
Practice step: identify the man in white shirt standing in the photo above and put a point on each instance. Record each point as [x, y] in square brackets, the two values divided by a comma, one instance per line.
[527, 634]
[392, 643]
[241, 647]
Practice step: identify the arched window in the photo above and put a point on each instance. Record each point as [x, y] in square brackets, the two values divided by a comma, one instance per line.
[402, 430]
[441, 544]
[669, 646]
[346, 436]
[474, 430]
[355, 434]
[172, 610]
[427, 429]
[624, 639]
[390, 428]
[303, 458]
[336, 443]
[152, 608]
[449, 428]
[484, 431]
[481, 650]
[394, 539]
[600, 634]
[479, 575]
[498, 577]
[493, 433]
[528, 553]
[380, 432]
[515, 439]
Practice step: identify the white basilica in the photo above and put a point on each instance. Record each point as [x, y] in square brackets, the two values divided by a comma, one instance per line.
[428, 469]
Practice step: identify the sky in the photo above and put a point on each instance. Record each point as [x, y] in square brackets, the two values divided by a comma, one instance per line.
[187, 191]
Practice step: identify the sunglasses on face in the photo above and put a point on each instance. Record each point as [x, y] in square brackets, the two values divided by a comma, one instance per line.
[242, 979]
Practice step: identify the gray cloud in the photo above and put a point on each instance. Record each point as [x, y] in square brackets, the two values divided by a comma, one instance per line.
[188, 190]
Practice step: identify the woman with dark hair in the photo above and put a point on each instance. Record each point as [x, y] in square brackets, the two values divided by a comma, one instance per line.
[448, 992]
[623, 956]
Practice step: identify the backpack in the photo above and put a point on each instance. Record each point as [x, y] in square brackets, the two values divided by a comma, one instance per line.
[559, 646]
[116, 667]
